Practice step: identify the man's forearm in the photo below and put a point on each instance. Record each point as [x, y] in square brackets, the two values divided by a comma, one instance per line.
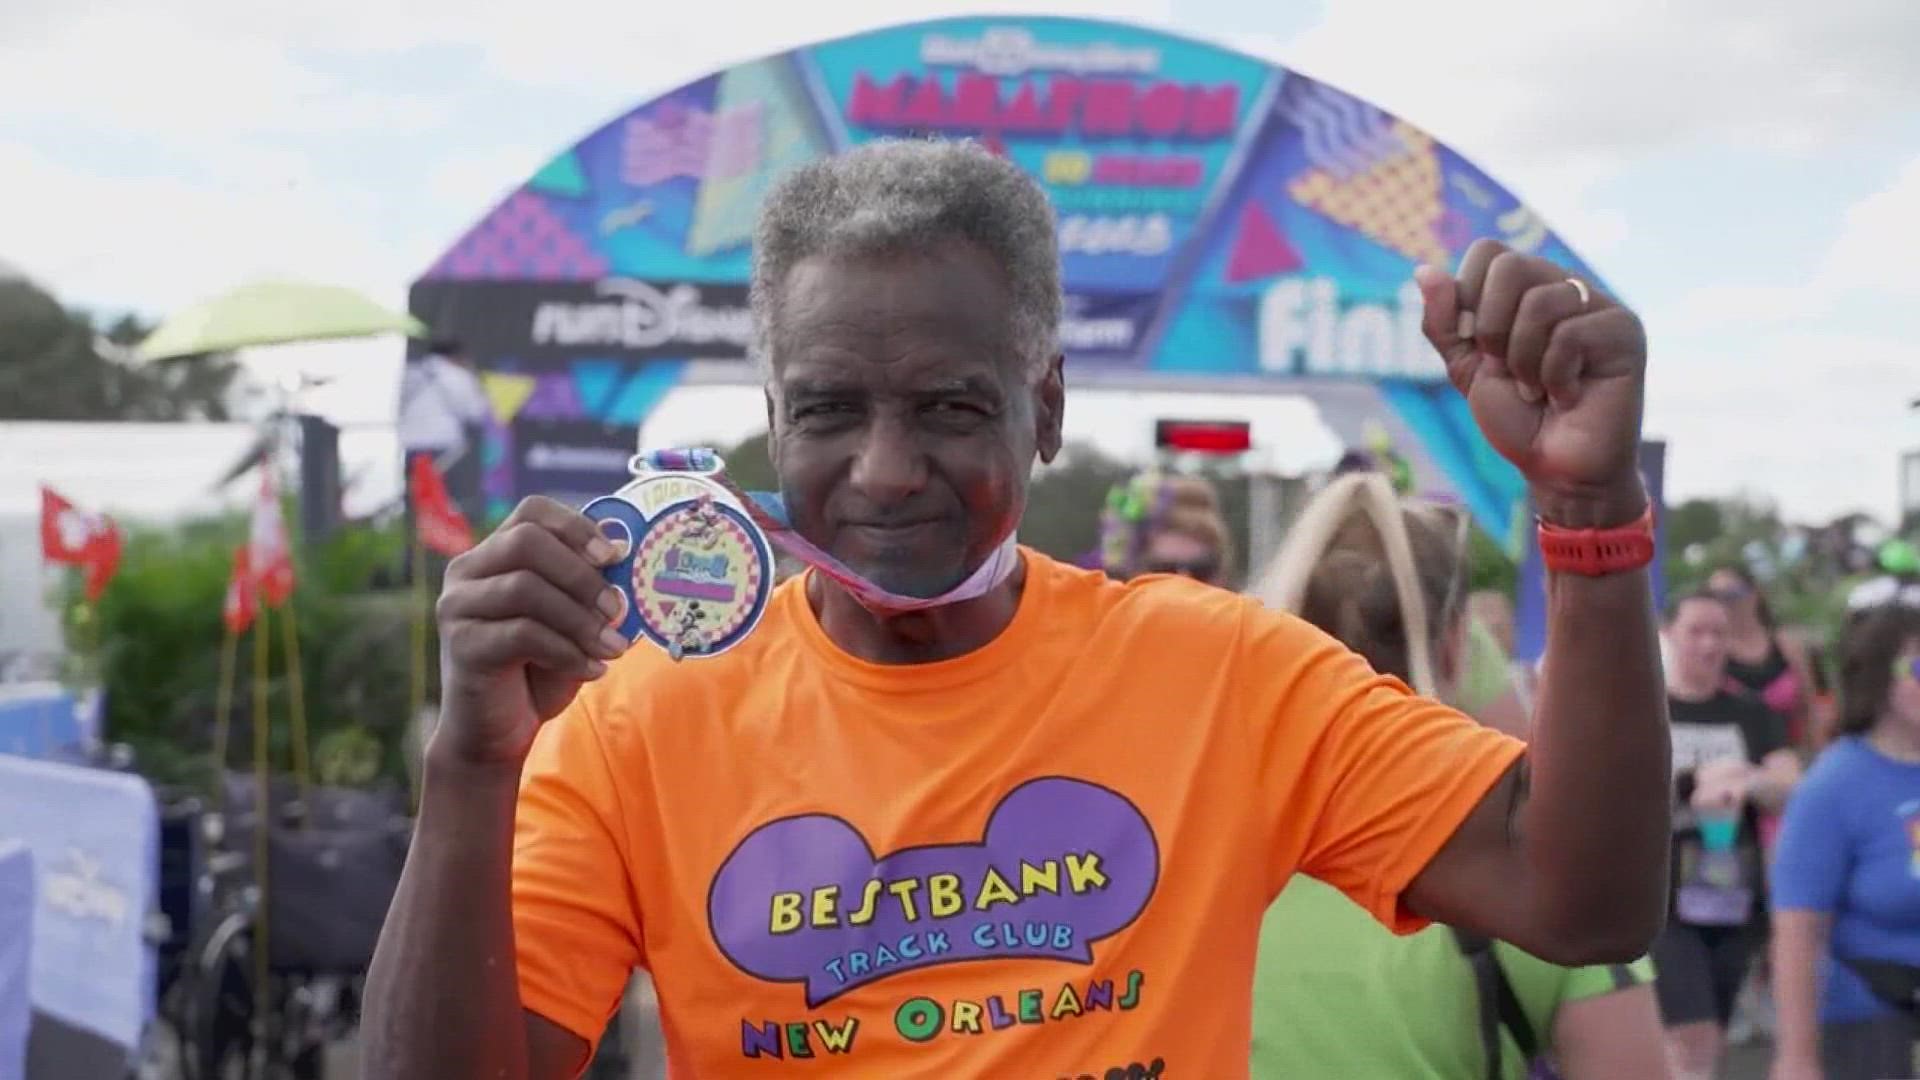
[442, 995]
[1597, 824]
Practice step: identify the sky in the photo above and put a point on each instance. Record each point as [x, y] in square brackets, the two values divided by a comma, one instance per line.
[1745, 173]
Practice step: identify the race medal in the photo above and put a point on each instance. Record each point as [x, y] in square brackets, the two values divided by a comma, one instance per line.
[697, 571]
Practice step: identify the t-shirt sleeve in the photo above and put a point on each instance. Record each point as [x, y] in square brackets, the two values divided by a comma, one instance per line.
[576, 921]
[1371, 779]
[1810, 859]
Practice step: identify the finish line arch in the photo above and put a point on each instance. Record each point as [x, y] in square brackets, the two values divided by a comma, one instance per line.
[1226, 225]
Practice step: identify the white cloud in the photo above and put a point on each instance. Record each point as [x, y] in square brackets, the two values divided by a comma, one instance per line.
[160, 242]
[1815, 418]
[1871, 259]
[133, 69]
[1878, 250]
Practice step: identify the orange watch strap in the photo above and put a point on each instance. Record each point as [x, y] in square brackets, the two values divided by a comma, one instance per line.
[1598, 552]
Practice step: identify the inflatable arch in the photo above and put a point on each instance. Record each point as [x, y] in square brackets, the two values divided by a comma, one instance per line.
[1225, 225]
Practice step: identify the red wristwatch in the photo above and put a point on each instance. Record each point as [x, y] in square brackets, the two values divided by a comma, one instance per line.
[1598, 552]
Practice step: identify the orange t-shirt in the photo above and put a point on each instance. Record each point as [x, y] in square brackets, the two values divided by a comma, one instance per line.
[1048, 857]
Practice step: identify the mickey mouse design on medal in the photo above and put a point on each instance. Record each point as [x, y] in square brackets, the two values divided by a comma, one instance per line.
[697, 572]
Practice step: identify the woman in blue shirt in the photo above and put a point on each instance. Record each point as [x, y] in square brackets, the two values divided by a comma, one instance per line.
[1846, 876]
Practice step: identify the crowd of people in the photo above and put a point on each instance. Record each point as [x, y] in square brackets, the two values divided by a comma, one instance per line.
[1825, 870]
[1324, 826]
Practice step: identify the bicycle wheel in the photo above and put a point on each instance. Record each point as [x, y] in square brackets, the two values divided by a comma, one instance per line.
[219, 1003]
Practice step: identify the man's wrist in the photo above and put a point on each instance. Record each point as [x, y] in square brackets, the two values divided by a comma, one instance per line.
[1600, 506]
[444, 763]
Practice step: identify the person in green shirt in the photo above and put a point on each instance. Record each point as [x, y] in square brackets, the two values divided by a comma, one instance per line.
[1337, 995]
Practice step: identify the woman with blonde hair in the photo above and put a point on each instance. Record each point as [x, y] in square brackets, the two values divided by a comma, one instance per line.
[1338, 994]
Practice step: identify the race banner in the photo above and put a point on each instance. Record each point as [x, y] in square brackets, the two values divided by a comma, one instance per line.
[1219, 219]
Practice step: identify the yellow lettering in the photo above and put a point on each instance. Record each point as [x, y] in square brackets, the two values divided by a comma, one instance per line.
[837, 1040]
[966, 1018]
[823, 905]
[868, 898]
[904, 889]
[786, 913]
[1039, 878]
[994, 890]
[943, 895]
[1067, 167]
[1083, 872]
[1068, 1004]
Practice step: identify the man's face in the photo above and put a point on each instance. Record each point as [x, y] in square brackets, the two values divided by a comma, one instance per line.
[903, 423]
[1697, 640]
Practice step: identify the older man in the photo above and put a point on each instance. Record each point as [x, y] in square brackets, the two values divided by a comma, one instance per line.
[1031, 829]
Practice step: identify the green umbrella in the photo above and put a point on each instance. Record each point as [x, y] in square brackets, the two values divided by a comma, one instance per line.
[273, 313]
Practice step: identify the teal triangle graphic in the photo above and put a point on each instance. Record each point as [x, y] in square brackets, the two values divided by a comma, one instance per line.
[561, 176]
[594, 381]
[644, 391]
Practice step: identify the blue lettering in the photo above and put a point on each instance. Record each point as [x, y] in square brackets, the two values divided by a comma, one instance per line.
[1062, 936]
[857, 962]
[882, 956]
[833, 969]
[983, 935]
[910, 947]
[937, 942]
[1036, 935]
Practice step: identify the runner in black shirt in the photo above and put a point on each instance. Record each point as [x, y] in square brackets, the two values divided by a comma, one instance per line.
[1730, 758]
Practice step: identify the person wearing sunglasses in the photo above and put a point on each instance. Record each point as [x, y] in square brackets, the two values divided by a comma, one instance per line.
[1846, 874]
[1335, 993]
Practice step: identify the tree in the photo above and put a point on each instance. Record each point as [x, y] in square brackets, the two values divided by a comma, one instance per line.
[56, 364]
[1065, 501]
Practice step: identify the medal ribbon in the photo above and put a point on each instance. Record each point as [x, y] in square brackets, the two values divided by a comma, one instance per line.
[769, 511]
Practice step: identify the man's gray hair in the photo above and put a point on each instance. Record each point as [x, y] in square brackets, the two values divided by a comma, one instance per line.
[894, 197]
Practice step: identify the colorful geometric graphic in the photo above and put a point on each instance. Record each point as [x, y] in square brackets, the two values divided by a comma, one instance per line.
[522, 239]
[1394, 200]
[763, 130]
[594, 382]
[562, 177]
[1259, 250]
[506, 393]
[669, 142]
[554, 398]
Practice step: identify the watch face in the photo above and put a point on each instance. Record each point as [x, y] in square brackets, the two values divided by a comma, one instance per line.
[698, 571]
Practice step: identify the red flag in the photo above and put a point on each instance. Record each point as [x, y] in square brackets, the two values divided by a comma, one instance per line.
[72, 537]
[441, 525]
[270, 559]
[241, 601]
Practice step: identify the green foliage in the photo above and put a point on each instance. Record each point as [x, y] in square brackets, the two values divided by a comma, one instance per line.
[155, 644]
[1065, 500]
[1489, 566]
[53, 366]
[751, 467]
